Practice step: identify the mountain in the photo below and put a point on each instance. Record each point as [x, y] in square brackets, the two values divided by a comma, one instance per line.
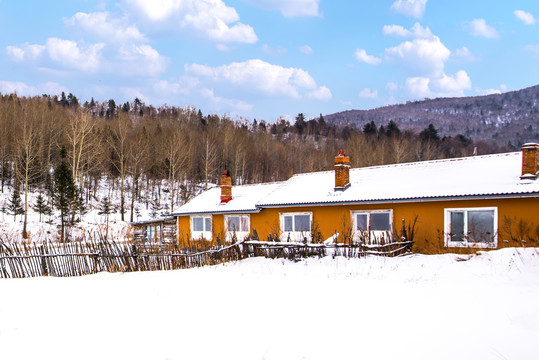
[511, 118]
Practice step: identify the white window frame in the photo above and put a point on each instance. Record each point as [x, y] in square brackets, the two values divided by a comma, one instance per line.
[295, 236]
[152, 232]
[465, 243]
[204, 234]
[240, 234]
[372, 236]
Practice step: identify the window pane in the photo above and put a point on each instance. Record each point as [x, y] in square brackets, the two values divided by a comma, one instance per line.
[457, 226]
[207, 222]
[380, 222]
[361, 222]
[198, 224]
[288, 223]
[244, 226]
[233, 223]
[302, 223]
[481, 225]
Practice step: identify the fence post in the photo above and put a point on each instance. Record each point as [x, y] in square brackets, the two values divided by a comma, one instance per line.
[44, 267]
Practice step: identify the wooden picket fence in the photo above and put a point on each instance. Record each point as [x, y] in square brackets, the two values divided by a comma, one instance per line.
[90, 257]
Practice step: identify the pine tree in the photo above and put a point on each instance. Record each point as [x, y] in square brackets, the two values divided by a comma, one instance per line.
[80, 205]
[156, 206]
[42, 207]
[15, 205]
[64, 191]
[106, 209]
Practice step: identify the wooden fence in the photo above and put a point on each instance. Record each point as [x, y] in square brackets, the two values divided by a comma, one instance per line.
[90, 257]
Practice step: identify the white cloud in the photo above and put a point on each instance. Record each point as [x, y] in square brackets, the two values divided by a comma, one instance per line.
[222, 47]
[25, 52]
[274, 50]
[414, 8]
[487, 91]
[479, 27]
[139, 59]
[345, 102]
[397, 31]
[362, 56]
[420, 56]
[73, 55]
[208, 18]
[464, 53]
[65, 52]
[220, 103]
[105, 28]
[416, 31]
[322, 93]
[392, 86]
[367, 93]
[22, 89]
[442, 86]
[525, 17]
[290, 8]
[305, 49]
[264, 77]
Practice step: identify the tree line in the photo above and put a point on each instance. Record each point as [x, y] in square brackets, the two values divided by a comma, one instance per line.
[144, 151]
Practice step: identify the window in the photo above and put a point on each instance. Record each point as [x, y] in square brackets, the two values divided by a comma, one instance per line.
[152, 233]
[238, 225]
[372, 227]
[471, 227]
[201, 227]
[295, 226]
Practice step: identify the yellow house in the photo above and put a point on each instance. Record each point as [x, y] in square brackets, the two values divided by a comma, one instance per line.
[477, 202]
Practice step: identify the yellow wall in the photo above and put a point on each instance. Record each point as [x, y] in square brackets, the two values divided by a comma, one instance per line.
[518, 219]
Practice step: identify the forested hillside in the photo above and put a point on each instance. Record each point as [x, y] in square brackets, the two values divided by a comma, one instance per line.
[134, 156]
[509, 119]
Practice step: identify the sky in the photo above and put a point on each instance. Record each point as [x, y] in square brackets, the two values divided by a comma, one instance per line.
[265, 59]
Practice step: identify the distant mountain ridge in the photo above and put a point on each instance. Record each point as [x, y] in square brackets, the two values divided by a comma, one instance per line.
[510, 118]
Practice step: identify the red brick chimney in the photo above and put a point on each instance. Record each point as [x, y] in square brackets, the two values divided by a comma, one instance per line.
[342, 171]
[226, 187]
[530, 161]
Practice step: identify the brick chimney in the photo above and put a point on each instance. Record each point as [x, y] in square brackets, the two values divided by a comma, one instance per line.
[530, 161]
[226, 187]
[342, 171]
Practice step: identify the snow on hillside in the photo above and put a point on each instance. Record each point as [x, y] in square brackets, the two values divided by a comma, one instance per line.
[483, 306]
[92, 224]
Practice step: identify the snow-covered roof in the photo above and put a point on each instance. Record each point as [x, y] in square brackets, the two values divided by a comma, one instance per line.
[244, 199]
[470, 177]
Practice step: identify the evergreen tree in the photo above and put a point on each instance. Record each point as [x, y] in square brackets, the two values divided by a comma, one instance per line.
[42, 207]
[392, 129]
[64, 191]
[80, 205]
[156, 206]
[430, 133]
[14, 206]
[106, 209]
[370, 128]
[300, 123]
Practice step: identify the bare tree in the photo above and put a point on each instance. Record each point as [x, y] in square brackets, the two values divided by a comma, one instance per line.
[138, 152]
[209, 157]
[26, 153]
[79, 137]
[117, 141]
[175, 157]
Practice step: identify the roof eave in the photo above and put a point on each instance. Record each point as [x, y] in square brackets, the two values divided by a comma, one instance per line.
[405, 200]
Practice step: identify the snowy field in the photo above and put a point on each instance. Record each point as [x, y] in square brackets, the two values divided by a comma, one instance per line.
[484, 306]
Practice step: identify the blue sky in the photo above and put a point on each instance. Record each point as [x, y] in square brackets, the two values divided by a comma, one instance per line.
[268, 58]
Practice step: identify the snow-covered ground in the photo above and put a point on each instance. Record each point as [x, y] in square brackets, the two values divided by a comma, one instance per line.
[484, 306]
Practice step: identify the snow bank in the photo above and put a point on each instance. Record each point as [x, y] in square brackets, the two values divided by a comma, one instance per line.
[483, 306]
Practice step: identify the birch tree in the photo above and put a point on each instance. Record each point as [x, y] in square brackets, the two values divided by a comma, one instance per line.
[26, 154]
[117, 141]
